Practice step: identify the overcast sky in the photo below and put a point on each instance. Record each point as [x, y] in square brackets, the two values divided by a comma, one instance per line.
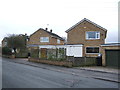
[26, 16]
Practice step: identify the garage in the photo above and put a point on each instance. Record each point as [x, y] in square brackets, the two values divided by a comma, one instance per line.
[112, 57]
[110, 54]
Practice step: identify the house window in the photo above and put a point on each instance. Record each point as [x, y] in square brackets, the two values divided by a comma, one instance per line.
[92, 35]
[44, 39]
[5, 43]
[58, 41]
[92, 49]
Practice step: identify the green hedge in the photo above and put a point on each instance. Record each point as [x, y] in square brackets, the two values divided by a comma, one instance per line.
[35, 53]
[23, 53]
[6, 51]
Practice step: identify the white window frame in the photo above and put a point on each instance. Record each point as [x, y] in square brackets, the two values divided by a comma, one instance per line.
[5, 43]
[97, 34]
[58, 41]
[42, 40]
[92, 53]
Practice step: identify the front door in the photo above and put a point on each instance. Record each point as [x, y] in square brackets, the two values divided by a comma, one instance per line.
[43, 53]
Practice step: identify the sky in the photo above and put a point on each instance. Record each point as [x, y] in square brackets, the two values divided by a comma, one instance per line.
[27, 16]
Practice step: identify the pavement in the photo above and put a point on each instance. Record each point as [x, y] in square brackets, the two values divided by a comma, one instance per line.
[100, 69]
[75, 70]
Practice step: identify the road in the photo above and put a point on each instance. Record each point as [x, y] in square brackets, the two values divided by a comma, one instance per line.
[15, 75]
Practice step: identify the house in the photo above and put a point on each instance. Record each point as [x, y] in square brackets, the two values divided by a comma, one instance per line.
[4, 42]
[45, 44]
[84, 40]
[45, 37]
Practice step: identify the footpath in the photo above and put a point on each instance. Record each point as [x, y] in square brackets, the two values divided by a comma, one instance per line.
[96, 72]
[100, 69]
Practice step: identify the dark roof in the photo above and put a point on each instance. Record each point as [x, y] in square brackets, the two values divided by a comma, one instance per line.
[111, 44]
[53, 34]
[87, 21]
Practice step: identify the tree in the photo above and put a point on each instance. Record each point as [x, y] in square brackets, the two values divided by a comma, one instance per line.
[16, 41]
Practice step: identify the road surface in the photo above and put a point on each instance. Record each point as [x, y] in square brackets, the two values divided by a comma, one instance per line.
[15, 75]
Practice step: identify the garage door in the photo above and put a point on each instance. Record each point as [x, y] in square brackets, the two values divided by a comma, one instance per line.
[112, 57]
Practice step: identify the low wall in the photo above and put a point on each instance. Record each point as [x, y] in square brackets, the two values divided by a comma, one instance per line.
[9, 56]
[82, 61]
[53, 62]
[70, 62]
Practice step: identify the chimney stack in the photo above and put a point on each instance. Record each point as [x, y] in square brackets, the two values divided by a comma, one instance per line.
[46, 29]
[51, 30]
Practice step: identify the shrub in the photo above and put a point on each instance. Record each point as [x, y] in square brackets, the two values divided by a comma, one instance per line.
[6, 51]
[23, 53]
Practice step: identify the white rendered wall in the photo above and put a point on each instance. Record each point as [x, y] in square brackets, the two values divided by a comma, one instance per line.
[74, 50]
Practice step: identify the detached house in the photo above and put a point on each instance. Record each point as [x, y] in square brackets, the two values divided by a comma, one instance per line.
[84, 39]
[85, 42]
[46, 42]
[45, 37]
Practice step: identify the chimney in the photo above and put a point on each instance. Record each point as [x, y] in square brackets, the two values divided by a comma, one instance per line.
[25, 34]
[46, 29]
[51, 30]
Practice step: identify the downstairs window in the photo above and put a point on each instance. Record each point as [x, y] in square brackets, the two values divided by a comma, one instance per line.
[92, 49]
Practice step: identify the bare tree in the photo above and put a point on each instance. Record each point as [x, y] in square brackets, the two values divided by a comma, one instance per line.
[16, 41]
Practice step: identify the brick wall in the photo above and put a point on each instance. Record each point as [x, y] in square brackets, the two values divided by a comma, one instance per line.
[35, 39]
[78, 36]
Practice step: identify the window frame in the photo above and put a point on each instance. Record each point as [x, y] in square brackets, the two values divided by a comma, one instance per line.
[42, 40]
[58, 41]
[5, 43]
[97, 35]
[92, 52]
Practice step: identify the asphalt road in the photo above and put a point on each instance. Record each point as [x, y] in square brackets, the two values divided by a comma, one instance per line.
[15, 75]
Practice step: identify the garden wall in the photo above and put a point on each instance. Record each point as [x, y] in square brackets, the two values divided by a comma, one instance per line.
[82, 61]
[53, 62]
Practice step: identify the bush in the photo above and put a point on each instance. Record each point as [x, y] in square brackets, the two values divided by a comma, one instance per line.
[6, 51]
[35, 53]
[23, 53]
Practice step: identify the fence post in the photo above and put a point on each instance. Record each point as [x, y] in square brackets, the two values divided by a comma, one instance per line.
[85, 60]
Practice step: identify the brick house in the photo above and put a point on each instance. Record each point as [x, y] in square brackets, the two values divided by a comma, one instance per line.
[88, 36]
[46, 44]
[85, 41]
[45, 37]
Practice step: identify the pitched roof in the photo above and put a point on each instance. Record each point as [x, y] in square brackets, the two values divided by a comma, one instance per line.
[87, 21]
[4, 39]
[53, 34]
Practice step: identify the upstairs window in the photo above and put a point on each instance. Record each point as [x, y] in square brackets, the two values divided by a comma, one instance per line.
[5, 43]
[58, 41]
[92, 49]
[92, 35]
[44, 39]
